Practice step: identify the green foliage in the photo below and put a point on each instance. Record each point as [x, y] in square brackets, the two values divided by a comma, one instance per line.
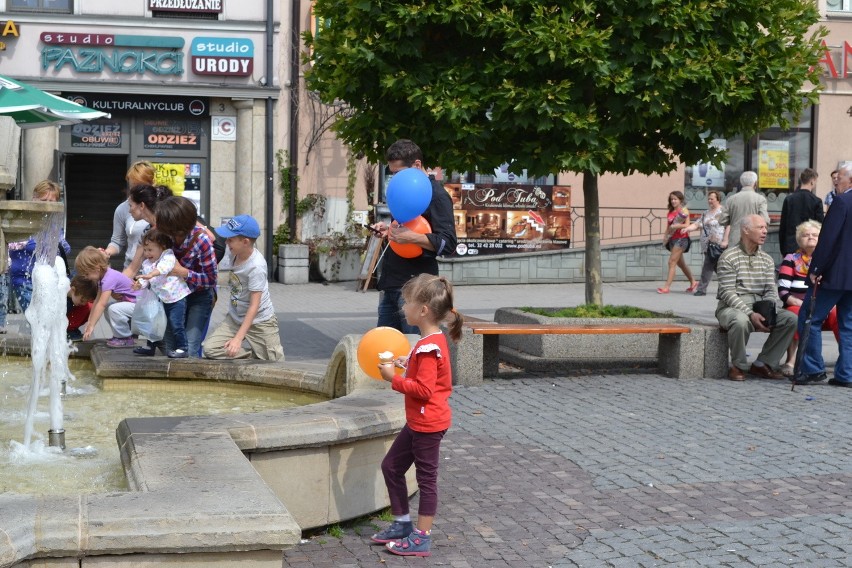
[307, 203]
[565, 85]
[596, 311]
[281, 237]
[336, 531]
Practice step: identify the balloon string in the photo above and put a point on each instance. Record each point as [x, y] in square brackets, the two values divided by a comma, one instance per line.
[381, 256]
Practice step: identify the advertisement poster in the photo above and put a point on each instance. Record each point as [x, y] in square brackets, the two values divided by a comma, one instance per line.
[182, 179]
[502, 218]
[774, 164]
[705, 174]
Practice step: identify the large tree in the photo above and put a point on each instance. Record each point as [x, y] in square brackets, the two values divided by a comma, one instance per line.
[577, 85]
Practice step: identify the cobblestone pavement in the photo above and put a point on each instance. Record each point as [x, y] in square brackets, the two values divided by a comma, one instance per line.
[632, 470]
[606, 470]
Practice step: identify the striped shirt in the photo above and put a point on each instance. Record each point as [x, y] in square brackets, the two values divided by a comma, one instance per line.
[745, 278]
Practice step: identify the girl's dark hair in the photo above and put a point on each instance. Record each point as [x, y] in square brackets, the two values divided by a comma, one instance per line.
[678, 194]
[176, 217]
[436, 293]
[152, 235]
[149, 195]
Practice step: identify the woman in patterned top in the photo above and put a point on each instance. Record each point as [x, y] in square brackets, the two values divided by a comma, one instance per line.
[793, 284]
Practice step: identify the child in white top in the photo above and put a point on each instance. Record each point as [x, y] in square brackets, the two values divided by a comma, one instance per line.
[159, 260]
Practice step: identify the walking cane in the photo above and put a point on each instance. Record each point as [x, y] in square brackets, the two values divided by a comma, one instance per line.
[803, 339]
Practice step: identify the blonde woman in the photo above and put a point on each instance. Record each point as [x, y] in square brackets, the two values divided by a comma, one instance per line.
[127, 231]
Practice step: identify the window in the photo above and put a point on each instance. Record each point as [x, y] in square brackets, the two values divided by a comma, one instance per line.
[777, 156]
[63, 6]
[839, 5]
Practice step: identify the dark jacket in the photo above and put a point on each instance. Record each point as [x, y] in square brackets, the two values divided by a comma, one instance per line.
[396, 270]
[800, 206]
[832, 258]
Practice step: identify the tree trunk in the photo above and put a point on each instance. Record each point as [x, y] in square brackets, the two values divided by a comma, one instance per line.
[594, 291]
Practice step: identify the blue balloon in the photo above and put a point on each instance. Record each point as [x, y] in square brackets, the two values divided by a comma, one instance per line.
[409, 194]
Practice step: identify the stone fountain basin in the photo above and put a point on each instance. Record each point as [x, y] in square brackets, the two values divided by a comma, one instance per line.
[20, 220]
[216, 490]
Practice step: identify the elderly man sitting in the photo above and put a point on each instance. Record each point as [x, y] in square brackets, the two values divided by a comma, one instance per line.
[746, 275]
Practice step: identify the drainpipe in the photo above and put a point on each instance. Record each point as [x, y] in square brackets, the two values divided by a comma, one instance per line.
[294, 112]
[272, 260]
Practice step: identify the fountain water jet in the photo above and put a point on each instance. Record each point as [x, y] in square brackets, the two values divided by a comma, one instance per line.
[46, 312]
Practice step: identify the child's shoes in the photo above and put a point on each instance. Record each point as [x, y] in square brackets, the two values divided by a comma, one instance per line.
[397, 530]
[121, 342]
[415, 544]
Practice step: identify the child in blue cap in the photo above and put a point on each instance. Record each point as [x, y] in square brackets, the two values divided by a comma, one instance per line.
[251, 315]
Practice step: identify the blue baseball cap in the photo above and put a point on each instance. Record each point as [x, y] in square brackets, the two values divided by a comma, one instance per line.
[240, 226]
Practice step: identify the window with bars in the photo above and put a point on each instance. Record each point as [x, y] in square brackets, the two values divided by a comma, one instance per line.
[61, 6]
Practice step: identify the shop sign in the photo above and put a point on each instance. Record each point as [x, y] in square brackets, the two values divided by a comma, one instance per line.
[172, 134]
[223, 128]
[204, 6]
[835, 60]
[127, 54]
[222, 56]
[10, 29]
[137, 104]
[503, 218]
[96, 134]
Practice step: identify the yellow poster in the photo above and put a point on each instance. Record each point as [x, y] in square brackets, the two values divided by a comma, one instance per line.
[774, 164]
[172, 176]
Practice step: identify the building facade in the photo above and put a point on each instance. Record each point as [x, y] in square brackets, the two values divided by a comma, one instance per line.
[191, 86]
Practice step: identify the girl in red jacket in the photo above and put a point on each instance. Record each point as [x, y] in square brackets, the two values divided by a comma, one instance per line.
[427, 384]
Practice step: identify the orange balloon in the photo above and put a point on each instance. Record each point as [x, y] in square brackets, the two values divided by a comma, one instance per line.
[377, 341]
[418, 225]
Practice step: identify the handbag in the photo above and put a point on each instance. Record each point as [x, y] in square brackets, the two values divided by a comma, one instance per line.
[714, 251]
[149, 316]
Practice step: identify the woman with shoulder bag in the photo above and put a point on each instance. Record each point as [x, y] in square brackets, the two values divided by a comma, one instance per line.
[712, 234]
[677, 241]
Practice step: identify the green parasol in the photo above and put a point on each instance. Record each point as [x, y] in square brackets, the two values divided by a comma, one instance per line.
[31, 107]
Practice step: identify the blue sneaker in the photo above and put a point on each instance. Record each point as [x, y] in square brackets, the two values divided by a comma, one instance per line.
[397, 530]
[414, 544]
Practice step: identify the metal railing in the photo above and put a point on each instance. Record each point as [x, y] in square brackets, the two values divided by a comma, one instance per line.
[621, 225]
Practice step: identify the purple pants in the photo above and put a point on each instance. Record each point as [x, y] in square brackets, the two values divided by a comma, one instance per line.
[420, 449]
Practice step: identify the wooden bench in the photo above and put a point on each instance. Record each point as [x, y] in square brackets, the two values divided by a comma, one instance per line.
[478, 353]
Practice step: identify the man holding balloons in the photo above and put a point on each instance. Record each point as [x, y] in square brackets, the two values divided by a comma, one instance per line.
[422, 229]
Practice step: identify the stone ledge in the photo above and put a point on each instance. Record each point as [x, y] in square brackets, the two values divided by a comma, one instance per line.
[214, 488]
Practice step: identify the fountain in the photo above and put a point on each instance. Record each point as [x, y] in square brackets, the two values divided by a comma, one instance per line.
[19, 220]
[216, 490]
